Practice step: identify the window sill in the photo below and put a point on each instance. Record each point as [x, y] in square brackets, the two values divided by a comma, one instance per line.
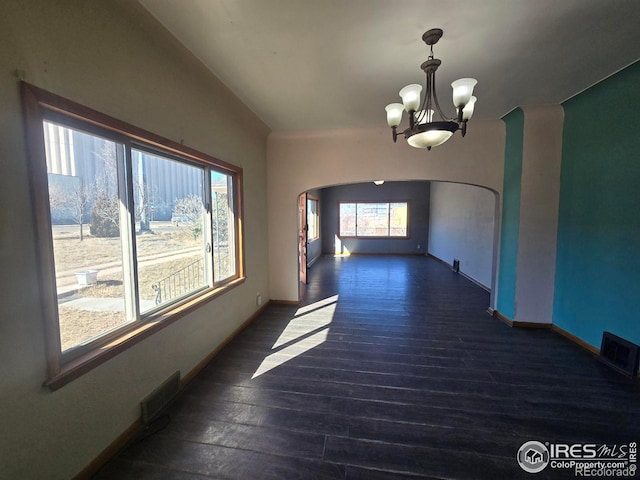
[94, 357]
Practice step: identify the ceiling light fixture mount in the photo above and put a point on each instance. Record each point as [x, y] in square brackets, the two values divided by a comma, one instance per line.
[425, 129]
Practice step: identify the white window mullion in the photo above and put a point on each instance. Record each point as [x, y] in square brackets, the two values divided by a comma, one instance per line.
[356, 215]
[231, 224]
[127, 233]
[208, 228]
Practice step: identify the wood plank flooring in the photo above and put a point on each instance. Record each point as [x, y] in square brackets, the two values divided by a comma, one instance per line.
[390, 369]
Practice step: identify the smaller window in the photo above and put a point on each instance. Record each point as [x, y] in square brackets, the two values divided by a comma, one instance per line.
[374, 219]
[313, 219]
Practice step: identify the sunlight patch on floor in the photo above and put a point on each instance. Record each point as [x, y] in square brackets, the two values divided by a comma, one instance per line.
[317, 305]
[340, 250]
[308, 329]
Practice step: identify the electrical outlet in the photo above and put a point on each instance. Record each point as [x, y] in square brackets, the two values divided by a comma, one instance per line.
[419, 246]
[258, 299]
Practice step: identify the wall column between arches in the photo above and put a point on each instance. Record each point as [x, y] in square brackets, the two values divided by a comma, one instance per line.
[528, 274]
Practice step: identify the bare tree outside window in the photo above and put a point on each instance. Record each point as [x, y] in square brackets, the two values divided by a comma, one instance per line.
[145, 193]
[71, 200]
[188, 211]
[105, 215]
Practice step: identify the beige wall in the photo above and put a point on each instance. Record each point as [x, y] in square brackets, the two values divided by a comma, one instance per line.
[539, 200]
[462, 226]
[111, 56]
[299, 161]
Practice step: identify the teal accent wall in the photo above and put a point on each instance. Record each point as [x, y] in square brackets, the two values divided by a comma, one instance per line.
[597, 283]
[510, 225]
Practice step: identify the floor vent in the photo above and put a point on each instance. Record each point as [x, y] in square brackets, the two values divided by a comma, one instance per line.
[160, 398]
[619, 354]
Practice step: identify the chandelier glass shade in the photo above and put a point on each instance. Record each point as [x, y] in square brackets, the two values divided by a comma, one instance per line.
[428, 125]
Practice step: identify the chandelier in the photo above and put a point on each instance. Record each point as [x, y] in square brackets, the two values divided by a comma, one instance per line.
[428, 126]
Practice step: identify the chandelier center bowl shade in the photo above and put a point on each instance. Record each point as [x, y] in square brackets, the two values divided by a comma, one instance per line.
[428, 125]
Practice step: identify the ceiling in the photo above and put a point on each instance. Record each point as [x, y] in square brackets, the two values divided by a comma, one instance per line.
[316, 64]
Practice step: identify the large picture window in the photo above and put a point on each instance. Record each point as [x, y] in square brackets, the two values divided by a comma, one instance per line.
[379, 219]
[135, 230]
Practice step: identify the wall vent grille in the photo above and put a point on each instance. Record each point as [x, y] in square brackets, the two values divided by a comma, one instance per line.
[160, 398]
[619, 354]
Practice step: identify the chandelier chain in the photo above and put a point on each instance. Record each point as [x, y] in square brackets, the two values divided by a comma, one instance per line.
[435, 99]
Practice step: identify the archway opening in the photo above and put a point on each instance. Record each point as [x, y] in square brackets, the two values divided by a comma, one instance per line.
[455, 223]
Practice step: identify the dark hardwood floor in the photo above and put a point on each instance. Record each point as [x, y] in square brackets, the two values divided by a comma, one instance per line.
[390, 369]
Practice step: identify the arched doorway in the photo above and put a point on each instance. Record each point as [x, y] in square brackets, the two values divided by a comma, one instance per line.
[446, 220]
